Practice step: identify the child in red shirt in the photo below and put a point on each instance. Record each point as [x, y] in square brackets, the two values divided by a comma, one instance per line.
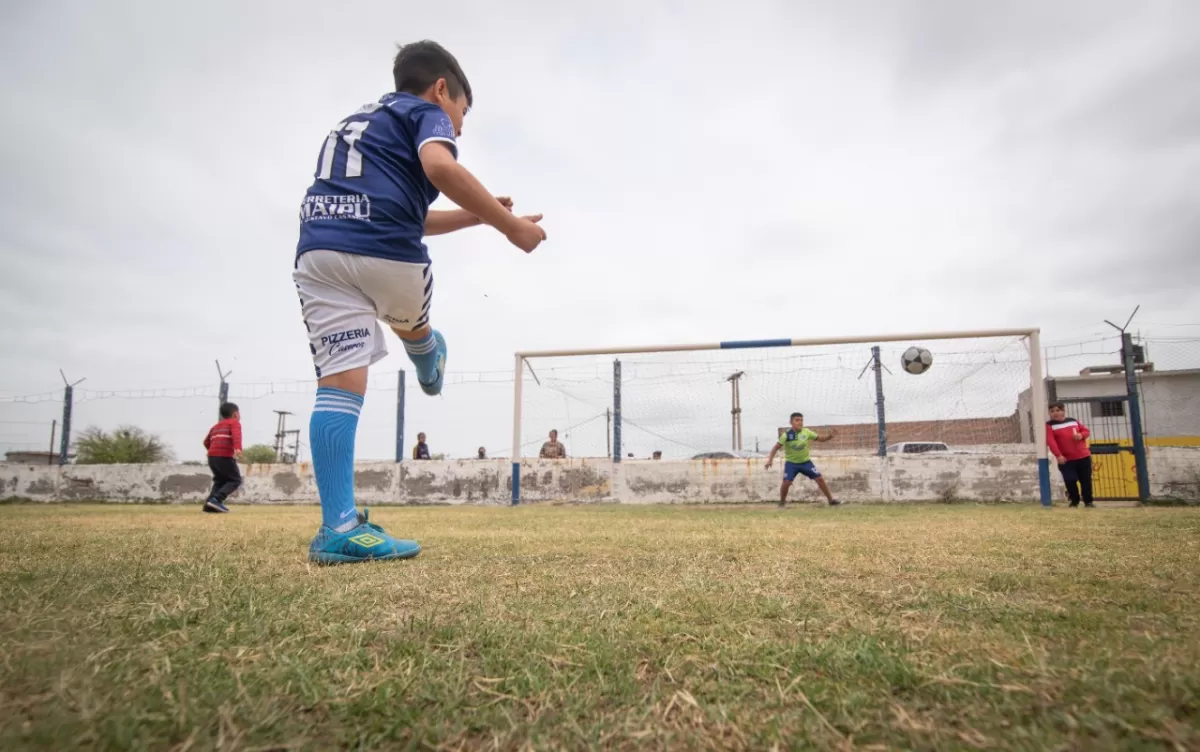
[224, 444]
[1066, 438]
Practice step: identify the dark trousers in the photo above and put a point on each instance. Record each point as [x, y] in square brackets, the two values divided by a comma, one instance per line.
[1078, 476]
[227, 478]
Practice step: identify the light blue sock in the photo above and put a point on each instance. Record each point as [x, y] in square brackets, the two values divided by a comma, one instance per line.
[331, 434]
[423, 354]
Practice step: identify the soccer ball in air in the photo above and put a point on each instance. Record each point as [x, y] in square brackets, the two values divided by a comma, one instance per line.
[916, 360]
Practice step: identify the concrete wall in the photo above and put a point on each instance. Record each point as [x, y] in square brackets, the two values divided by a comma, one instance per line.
[449, 482]
[1175, 472]
[853, 478]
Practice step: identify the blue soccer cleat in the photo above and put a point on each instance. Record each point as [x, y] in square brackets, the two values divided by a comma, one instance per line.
[367, 542]
[434, 386]
[213, 506]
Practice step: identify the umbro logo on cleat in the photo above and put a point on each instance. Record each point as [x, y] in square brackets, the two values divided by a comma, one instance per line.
[367, 540]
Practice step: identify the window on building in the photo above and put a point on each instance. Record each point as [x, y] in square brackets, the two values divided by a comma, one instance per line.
[1108, 409]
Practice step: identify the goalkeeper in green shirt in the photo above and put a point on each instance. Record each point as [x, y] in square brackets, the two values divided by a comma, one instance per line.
[794, 443]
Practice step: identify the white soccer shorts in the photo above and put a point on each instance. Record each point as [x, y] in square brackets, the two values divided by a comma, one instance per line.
[344, 296]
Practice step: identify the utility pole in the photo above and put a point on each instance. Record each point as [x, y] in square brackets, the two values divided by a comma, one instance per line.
[50, 454]
[68, 403]
[281, 433]
[289, 459]
[736, 412]
[223, 389]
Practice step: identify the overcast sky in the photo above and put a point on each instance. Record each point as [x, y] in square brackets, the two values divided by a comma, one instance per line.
[708, 171]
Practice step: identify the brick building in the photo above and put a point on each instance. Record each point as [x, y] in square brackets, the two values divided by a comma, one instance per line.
[960, 432]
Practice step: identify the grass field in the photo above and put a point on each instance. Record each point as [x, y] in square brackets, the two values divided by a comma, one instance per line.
[927, 627]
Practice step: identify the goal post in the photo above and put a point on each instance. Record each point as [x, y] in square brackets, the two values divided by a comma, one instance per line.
[985, 368]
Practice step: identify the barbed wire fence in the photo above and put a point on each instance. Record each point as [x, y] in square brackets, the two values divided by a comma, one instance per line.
[474, 411]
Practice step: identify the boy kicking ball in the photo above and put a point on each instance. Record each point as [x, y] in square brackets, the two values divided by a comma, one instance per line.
[361, 260]
[797, 461]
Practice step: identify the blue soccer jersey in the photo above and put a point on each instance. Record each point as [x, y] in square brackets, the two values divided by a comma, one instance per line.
[370, 195]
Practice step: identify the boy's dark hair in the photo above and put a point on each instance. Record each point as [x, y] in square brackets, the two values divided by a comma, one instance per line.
[796, 415]
[420, 64]
[227, 410]
[1058, 405]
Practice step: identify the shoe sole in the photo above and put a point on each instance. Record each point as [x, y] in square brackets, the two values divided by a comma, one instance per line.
[330, 559]
[435, 388]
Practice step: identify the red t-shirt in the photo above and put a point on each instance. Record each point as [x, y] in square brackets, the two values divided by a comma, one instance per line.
[224, 439]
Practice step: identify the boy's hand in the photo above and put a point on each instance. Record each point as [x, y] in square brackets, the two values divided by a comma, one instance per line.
[507, 203]
[1061, 460]
[769, 462]
[1078, 436]
[525, 234]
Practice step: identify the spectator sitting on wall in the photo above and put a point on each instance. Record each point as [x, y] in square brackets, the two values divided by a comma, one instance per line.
[482, 453]
[554, 449]
[421, 450]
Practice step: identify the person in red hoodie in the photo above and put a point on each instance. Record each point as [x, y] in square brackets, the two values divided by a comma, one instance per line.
[1067, 440]
[224, 444]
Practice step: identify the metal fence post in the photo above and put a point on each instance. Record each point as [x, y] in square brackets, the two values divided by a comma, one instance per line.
[616, 411]
[1135, 417]
[879, 401]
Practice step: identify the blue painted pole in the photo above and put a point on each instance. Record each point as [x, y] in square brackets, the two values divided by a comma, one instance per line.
[616, 411]
[400, 418]
[1044, 480]
[1135, 418]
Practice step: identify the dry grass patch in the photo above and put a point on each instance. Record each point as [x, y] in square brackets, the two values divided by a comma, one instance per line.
[934, 627]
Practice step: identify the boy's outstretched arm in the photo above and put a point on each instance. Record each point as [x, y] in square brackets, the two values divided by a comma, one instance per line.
[826, 437]
[440, 222]
[461, 187]
[771, 456]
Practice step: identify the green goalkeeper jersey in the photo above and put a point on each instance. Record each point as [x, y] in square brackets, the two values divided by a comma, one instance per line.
[795, 444]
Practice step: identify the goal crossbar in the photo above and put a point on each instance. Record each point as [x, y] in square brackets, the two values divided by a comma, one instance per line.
[795, 342]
